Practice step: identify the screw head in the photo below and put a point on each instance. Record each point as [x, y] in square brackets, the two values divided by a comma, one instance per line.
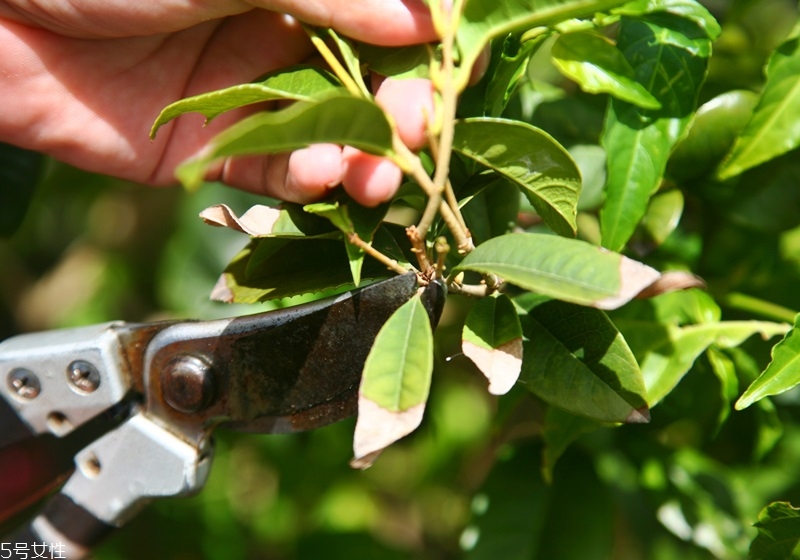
[83, 376]
[187, 383]
[24, 383]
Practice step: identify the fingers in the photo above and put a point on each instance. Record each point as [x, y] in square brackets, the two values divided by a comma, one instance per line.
[381, 22]
[369, 179]
[410, 103]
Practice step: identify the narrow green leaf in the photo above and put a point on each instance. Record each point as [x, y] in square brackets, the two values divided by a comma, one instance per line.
[396, 381]
[778, 532]
[298, 83]
[492, 339]
[529, 158]
[509, 60]
[669, 57]
[775, 126]
[566, 269]
[598, 66]
[20, 171]
[782, 373]
[667, 352]
[576, 359]
[482, 20]
[337, 119]
[725, 370]
[350, 55]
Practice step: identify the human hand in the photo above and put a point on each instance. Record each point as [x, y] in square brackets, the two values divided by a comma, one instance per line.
[83, 81]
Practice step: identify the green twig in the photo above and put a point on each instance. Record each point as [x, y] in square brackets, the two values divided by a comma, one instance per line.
[744, 302]
[391, 264]
[333, 62]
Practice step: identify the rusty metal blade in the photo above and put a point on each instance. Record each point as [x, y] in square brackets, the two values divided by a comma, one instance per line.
[282, 371]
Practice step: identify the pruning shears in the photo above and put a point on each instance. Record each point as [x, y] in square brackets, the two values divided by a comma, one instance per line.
[121, 414]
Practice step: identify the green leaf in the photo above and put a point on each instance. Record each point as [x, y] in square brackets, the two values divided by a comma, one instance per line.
[669, 57]
[412, 61]
[576, 359]
[725, 370]
[351, 218]
[778, 532]
[511, 510]
[711, 134]
[775, 126]
[667, 352]
[336, 119]
[598, 66]
[395, 383]
[561, 429]
[510, 58]
[687, 9]
[529, 158]
[663, 214]
[492, 339]
[482, 20]
[492, 211]
[277, 267]
[299, 83]
[566, 269]
[20, 171]
[350, 55]
[782, 373]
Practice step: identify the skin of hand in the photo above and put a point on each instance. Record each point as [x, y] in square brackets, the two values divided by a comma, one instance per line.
[84, 80]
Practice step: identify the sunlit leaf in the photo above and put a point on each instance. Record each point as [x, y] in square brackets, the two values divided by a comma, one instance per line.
[598, 66]
[482, 20]
[775, 126]
[395, 383]
[778, 532]
[711, 134]
[350, 56]
[256, 221]
[529, 158]
[782, 373]
[666, 352]
[663, 214]
[576, 359]
[337, 119]
[687, 9]
[492, 339]
[669, 57]
[299, 83]
[562, 268]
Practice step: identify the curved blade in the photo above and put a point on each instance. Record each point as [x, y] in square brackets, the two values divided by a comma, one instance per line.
[282, 371]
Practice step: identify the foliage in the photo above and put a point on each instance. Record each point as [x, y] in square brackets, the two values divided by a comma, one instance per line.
[613, 154]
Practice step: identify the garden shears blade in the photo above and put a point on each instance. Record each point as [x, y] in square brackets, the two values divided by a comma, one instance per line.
[126, 412]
